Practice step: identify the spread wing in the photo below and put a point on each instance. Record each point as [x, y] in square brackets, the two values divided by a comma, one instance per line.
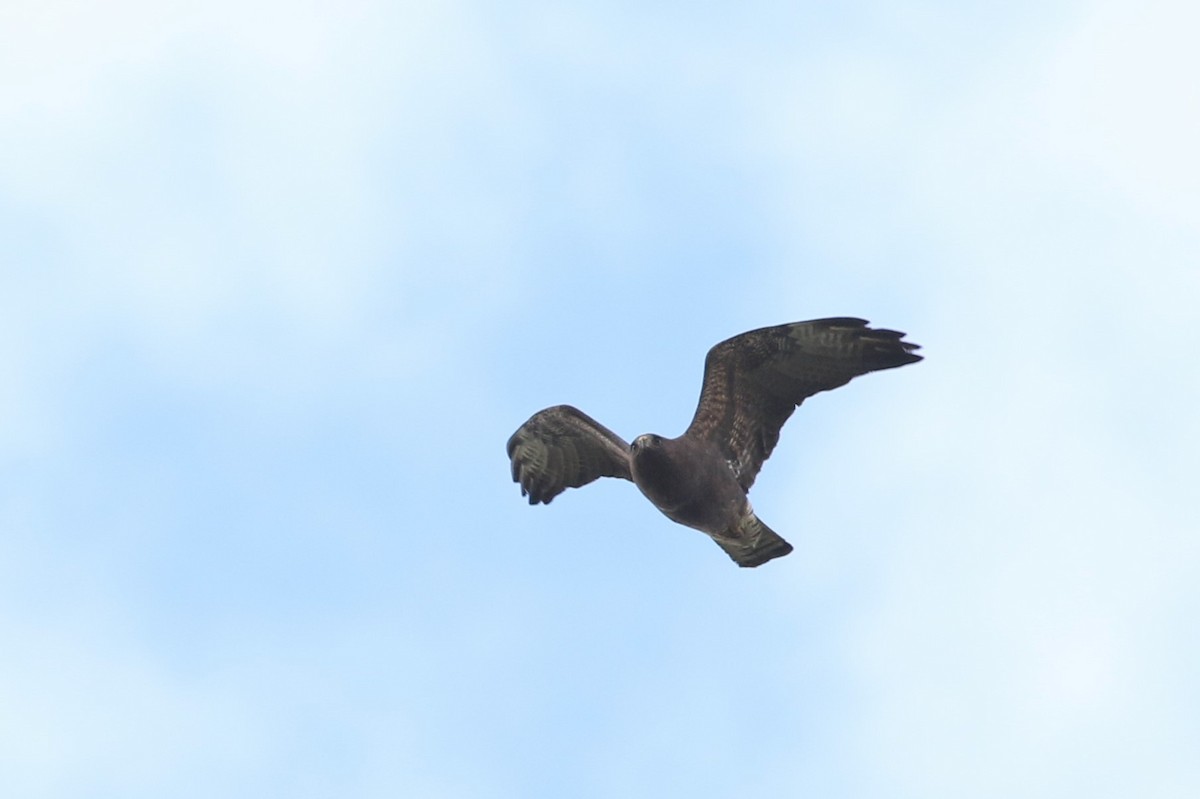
[562, 447]
[754, 381]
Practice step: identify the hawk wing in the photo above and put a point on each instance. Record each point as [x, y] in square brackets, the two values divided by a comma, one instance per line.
[754, 381]
[562, 447]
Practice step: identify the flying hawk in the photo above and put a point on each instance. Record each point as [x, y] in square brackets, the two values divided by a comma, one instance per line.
[752, 383]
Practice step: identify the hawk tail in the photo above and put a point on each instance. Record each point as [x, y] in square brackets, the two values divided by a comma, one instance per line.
[752, 543]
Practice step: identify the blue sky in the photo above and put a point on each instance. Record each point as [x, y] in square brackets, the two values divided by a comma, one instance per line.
[279, 280]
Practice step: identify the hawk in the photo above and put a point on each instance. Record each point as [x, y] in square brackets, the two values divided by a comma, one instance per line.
[752, 383]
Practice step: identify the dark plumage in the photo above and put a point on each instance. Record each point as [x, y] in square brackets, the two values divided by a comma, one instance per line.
[752, 383]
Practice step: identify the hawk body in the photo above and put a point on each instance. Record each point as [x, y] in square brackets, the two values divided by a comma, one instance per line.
[752, 384]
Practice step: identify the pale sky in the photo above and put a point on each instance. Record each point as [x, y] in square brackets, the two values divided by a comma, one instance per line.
[278, 280]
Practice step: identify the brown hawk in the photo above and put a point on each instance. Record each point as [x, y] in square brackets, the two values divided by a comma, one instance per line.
[752, 383]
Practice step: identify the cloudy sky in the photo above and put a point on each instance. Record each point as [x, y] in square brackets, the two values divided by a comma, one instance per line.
[277, 280]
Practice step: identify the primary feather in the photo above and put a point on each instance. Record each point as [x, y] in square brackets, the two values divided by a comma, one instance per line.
[753, 382]
[562, 447]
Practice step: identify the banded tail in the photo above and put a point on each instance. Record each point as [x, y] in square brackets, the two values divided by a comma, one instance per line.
[752, 543]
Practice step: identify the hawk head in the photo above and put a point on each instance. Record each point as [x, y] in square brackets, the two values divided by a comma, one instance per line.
[646, 441]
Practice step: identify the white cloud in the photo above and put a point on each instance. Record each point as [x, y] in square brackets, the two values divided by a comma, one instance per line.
[253, 200]
[85, 711]
[1118, 98]
[1021, 523]
[237, 192]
